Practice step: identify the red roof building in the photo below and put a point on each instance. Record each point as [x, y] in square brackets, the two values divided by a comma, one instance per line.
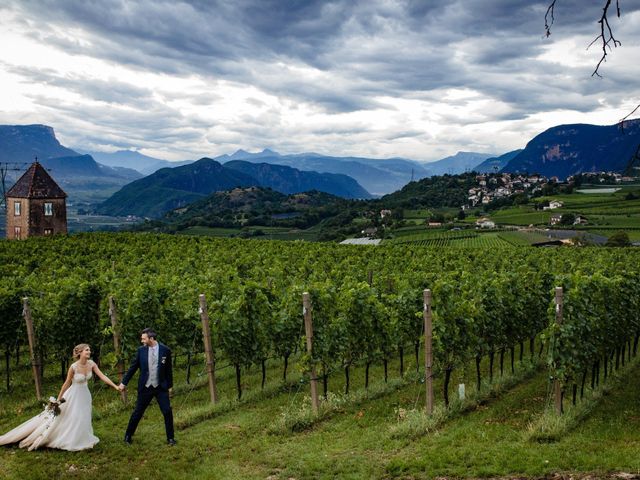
[36, 205]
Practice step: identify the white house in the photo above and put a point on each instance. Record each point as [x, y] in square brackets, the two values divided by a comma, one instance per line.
[553, 204]
[485, 222]
[555, 219]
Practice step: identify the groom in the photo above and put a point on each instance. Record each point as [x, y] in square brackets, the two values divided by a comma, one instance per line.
[156, 380]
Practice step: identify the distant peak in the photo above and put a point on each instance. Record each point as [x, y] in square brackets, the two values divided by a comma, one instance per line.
[243, 154]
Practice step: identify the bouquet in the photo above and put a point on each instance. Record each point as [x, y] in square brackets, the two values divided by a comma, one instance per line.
[54, 406]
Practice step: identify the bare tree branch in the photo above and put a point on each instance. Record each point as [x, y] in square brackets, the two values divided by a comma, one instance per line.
[606, 35]
[606, 38]
[621, 122]
[607, 41]
[547, 16]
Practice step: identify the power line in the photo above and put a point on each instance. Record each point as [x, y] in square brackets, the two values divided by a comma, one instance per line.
[5, 168]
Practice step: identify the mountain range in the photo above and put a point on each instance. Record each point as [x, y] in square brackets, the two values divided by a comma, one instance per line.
[171, 188]
[377, 176]
[22, 143]
[496, 164]
[559, 151]
[135, 160]
[459, 163]
[82, 178]
[569, 149]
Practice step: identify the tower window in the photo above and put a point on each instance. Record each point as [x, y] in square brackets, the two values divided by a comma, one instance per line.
[17, 208]
[48, 209]
[17, 231]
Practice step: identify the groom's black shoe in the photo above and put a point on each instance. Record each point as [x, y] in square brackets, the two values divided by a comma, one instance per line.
[171, 442]
[128, 440]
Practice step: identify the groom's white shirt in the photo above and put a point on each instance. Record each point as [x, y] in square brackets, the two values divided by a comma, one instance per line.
[152, 359]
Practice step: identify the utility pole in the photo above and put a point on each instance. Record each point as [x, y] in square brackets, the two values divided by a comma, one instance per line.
[5, 168]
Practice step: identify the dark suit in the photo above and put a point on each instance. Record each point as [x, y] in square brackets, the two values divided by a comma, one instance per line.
[146, 394]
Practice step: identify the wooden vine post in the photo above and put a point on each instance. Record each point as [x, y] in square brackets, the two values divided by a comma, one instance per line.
[557, 387]
[308, 328]
[117, 345]
[208, 349]
[428, 350]
[26, 312]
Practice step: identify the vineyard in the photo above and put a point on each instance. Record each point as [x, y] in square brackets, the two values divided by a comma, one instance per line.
[467, 238]
[499, 328]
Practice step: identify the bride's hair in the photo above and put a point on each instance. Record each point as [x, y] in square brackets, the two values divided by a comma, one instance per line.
[78, 349]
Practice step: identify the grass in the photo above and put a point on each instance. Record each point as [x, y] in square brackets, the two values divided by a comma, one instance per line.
[550, 426]
[353, 442]
[416, 422]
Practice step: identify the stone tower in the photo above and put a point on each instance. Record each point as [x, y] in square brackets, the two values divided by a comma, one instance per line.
[36, 205]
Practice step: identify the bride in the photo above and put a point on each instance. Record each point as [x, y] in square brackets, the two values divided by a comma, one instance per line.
[70, 429]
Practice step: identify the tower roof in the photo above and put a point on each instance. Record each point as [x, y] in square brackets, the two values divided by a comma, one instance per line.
[36, 183]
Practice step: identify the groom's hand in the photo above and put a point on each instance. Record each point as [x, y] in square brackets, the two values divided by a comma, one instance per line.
[171, 393]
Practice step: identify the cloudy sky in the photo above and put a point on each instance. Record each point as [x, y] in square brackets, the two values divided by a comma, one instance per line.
[377, 78]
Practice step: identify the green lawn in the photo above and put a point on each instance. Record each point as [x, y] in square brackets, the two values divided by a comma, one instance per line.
[355, 442]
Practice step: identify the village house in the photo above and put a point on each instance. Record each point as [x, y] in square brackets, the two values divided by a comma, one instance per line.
[36, 205]
[555, 219]
[385, 213]
[485, 222]
[553, 204]
[502, 192]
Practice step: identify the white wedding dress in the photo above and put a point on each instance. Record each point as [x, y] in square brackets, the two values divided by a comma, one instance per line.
[70, 430]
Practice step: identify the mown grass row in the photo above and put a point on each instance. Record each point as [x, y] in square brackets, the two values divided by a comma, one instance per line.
[355, 442]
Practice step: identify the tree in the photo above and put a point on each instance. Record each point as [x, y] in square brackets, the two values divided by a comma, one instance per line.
[567, 219]
[437, 217]
[618, 239]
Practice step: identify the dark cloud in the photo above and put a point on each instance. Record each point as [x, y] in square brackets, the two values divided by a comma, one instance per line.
[340, 56]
